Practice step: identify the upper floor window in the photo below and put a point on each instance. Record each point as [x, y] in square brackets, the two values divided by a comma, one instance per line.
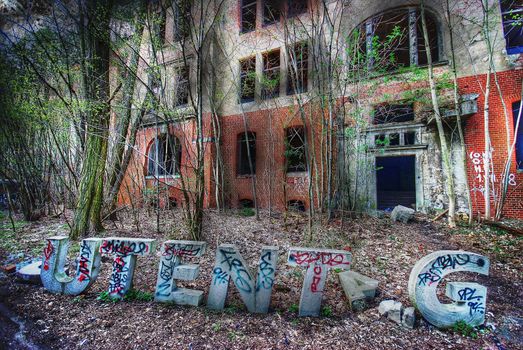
[298, 69]
[271, 74]
[393, 113]
[248, 15]
[247, 79]
[246, 154]
[295, 149]
[182, 86]
[512, 16]
[296, 7]
[272, 10]
[394, 39]
[518, 134]
[164, 156]
[182, 19]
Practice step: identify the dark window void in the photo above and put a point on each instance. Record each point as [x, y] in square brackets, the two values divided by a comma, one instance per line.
[295, 150]
[388, 113]
[247, 79]
[392, 40]
[164, 156]
[272, 10]
[248, 15]
[409, 138]
[512, 16]
[246, 154]
[395, 182]
[518, 134]
[296, 205]
[298, 69]
[182, 86]
[182, 19]
[245, 203]
[296, 7]
[271, 74]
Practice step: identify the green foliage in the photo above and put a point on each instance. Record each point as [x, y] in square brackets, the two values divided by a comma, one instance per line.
[105, 297]
[216, 327]
[294, 308]
[9, 241]
[138, 295]
[247, 212]
[463, 328]
[326, 311]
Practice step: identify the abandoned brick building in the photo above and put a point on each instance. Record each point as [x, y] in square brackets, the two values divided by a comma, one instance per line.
[261, 100]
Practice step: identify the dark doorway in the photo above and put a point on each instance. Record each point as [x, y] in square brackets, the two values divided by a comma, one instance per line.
[396, 181]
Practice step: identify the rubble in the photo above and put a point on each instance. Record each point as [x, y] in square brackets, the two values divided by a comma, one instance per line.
[401, 213]
[395, 311]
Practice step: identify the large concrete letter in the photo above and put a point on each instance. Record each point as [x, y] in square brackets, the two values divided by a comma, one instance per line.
[125, 251]
[256, 294]
[470, 298]
[172, 267]
[52, 272]
[317, 262]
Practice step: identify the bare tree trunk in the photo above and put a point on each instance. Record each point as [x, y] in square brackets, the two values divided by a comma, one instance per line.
[445, 152]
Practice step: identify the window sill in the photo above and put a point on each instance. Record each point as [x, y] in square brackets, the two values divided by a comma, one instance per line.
[160, 177]
[297, 174]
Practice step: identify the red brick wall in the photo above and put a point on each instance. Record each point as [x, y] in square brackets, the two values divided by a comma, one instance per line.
[510, 84]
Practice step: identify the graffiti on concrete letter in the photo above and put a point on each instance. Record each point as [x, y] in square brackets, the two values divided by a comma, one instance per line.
[53, 274]
[125, 251]
[172, 267]
[255, 293]
[317, 262]
[469, 298]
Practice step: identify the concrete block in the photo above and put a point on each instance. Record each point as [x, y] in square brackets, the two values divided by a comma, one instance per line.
[53, 275]
[125, 250]
[401, 213]
[30, 273]
[409, 317]
[318, 262]
[173, 267]
[254, 292]
[391, 309]
[469, 298]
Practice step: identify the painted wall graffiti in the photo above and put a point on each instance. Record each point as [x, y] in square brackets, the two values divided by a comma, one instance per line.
[317, 262]
[255, 293]
[173, 267]
[469, 298]
[53, 274]
[125, 251]
[479, 176]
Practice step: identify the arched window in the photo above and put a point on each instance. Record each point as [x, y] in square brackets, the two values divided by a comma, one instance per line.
[246, 150]
[164, 156]
[394, 39]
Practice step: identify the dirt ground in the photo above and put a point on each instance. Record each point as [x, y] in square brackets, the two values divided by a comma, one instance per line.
[381, 249]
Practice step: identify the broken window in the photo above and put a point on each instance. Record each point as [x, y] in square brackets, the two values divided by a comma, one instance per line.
[409, 138]
[271, 11]
[182, 19]
[164, 156]
[182, 86]
[295, 149]
[512, 16]
[248, 19]
[394, 39]
[393, 113]
[271, 74]
[247, 79]
[518, 134]
[298, 69]
[296, 7]
[246, 154]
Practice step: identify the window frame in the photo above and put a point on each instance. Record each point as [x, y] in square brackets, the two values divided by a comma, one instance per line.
[506, 10]
[243, 10]
[301, 167]
[183, 85]
[277, 13]
[266, 92]
[243, 76]
[160, 142]
[302, 67]
[244, 168]
[518, 134]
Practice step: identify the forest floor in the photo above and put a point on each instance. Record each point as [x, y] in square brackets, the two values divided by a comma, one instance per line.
[381, 249]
